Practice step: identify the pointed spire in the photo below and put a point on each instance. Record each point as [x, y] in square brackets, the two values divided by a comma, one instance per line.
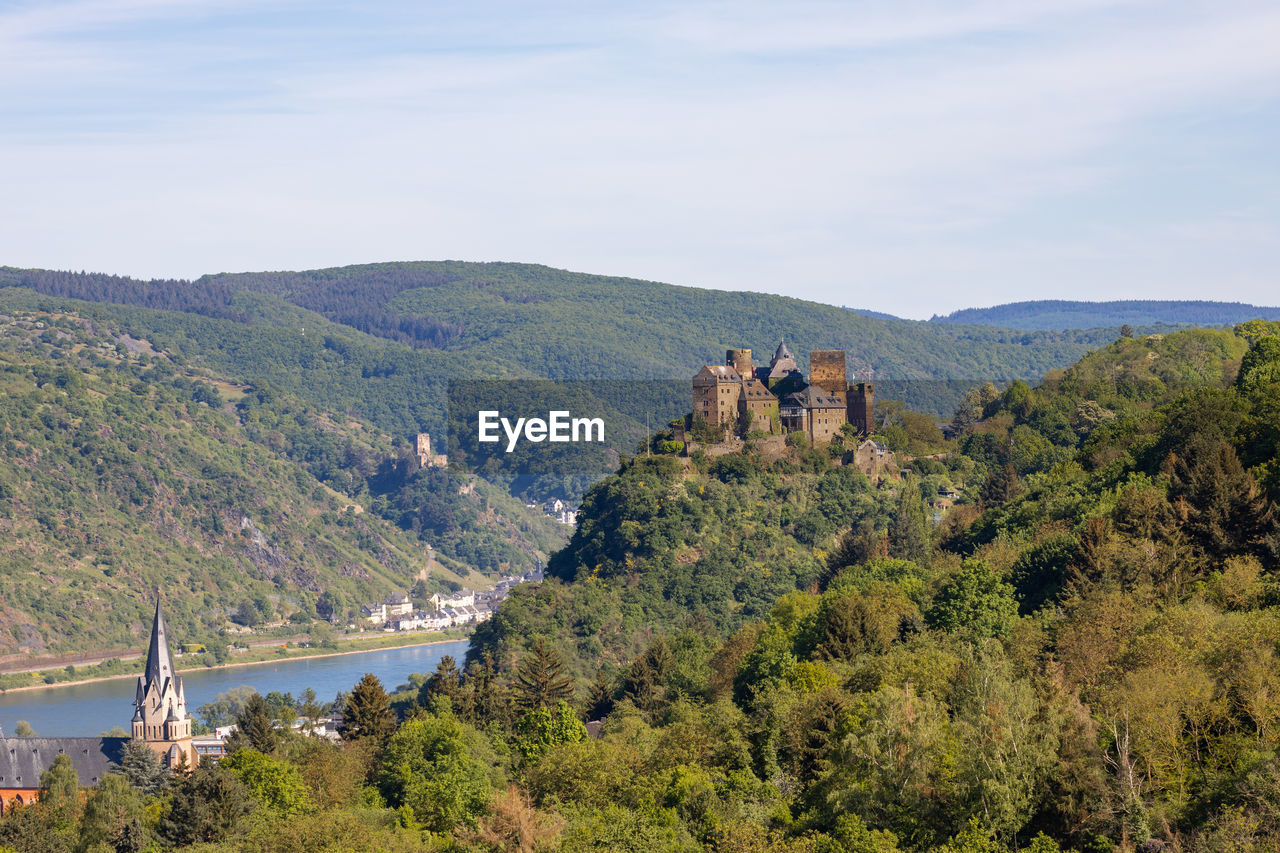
[159, 659]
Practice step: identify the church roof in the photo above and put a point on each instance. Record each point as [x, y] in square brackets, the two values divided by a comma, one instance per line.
[159, 657]
[23, 759]
[782, 351]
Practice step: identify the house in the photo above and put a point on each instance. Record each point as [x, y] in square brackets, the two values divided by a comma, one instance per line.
[461, 598]
[375, 613]
[398, 604]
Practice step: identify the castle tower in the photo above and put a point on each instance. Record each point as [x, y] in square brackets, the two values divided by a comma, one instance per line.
[862, 407]
[827, 371]
[740, 360]
[160, 717]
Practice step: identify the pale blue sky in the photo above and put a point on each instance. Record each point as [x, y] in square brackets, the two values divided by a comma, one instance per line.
[905, 157]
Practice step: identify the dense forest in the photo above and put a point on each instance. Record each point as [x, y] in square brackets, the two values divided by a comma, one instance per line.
[497, 320]
[1060, 635]
[1055, 314]
[126, 470]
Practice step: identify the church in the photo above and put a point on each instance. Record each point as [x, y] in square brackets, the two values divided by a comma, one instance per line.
[160, 719]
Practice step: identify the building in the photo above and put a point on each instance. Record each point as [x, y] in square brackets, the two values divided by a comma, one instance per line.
[862, 407]
[375, 613]
[24, 759]
[398, 604]
[716, 389]
[814, 412]
[160, 717]
[427, 458]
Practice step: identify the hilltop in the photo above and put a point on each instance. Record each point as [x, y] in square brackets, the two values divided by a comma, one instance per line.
[383, 339]
[1054, 314]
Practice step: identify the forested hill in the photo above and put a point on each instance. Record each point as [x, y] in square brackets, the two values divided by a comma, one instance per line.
[1053, 314]
[128, 468]
[534, 320]
[1077, 654]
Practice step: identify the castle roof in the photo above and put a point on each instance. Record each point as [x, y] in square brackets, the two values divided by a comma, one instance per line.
[782, 352]
[719, 372]
[23, 759]
[813, 397]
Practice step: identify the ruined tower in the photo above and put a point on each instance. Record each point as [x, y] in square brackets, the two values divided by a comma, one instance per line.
[827, 371]
[862, 407]
[160, 717]
[740, 360]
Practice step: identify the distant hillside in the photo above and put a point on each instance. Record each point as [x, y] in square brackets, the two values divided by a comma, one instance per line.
[126, 469]
[383, 339]
[1055, 314]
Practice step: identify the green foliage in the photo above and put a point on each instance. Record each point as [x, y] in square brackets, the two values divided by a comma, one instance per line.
[209, 805]
[275, 785]
[974, 602]
[367, 713]
[432, 766]
[545, 727]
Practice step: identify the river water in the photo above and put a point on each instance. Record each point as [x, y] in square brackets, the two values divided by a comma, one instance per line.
[84, 710]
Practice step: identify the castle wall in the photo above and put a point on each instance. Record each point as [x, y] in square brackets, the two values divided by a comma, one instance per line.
[827, 371]
[862, 407]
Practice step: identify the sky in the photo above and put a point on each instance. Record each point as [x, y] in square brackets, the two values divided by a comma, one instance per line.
[907, 157]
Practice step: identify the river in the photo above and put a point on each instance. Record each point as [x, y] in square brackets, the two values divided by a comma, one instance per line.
[84, 710]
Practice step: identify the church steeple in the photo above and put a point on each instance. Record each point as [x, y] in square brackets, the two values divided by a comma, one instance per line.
[160, 715]
[159, 659]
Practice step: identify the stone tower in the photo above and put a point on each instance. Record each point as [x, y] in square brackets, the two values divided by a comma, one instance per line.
[862, 407]
[160, 717]
[740, 360]
[827, 371]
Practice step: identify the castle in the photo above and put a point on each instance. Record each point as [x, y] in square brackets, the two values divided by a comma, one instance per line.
[777, 399]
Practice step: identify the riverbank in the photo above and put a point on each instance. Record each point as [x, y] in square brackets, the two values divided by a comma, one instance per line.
[359, 644]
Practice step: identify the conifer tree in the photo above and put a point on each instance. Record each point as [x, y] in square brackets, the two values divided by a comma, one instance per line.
[207, 806]
[368, 713]
[446, 681]
[254, 728]
[142, 769]
[542, 678]
[599, 697]
[908, 539]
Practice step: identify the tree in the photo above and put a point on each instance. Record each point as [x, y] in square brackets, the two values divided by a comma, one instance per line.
[908, 538]
[646, 678]
[542, 678]
[141, 768]
[274, 784]
[23, 729]
[255, 728]
[113, 817]
[368, 713]
[208, 805]
[976, 601]
[446, 681]
[60, 787]
[1001, 485]
[430, 766]
[543, 728]
[1220, 502]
